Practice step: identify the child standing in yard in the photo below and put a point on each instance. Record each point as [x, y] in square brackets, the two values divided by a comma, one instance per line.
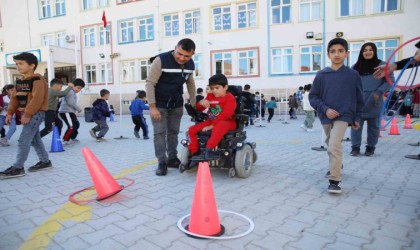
[100, 111]
[136, 108]
[30, 98]
[337, 96]
[7, 93]
[68, 109]
[271, 105]
[310, 112]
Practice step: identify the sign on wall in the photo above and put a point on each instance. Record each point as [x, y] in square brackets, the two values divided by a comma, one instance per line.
[9, 57]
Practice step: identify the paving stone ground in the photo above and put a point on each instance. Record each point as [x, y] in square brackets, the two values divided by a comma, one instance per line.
[285, 196]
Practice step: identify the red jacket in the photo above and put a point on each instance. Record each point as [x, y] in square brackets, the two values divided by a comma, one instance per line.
[221, 108]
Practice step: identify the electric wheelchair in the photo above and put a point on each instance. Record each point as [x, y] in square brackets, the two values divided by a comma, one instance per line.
[235, 153]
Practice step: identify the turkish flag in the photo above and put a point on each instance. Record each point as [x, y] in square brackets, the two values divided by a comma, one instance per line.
[104, 19]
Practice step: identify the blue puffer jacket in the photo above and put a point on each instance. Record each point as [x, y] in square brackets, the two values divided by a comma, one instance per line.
[100, 110]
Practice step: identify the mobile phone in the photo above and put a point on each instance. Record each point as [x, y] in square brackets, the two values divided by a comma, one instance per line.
[418, 45]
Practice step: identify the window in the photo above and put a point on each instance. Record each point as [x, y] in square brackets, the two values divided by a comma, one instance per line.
[89, 36]
[248, 63]
[247, 15]
[380, 6]
[103, 3]
[310, 58]
[171, 24]
[198, 66]
[192, 22]
[128, 71]
[60, 7]
[45, 8]
[144, 69]
[108, 34]
[146, 28]
[280, 11]
[127, 31]
[102, 72]
[221, 18]
[126, 1]
[385, 49]
[310, 10]
[223, 63]
[88, 4]
[60, 38]
[281, 60]
[352, 7]
[354, 50]
[90, 73]
[48, 39]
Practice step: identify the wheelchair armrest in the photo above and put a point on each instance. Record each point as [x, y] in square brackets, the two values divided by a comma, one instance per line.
[242, 118]
[196, 115]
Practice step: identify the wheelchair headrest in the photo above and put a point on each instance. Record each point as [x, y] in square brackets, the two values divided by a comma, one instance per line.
[235, 90]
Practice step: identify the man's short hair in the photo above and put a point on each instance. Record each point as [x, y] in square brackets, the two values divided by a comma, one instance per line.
[187, 45]
[247, 87]
[141, 94]
[199, 90]
[29, 58]
[340, 41]
[79, 82]
[56, 81]
[104, 92]
[218, 79]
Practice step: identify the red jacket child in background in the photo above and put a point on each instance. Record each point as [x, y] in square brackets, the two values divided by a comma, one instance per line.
[221, 107]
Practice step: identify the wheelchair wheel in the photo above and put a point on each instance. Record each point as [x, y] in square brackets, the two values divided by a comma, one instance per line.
[255, 156]
[185, 153]
[244, 161]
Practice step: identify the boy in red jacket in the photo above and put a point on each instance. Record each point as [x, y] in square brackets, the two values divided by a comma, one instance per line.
[221, 107]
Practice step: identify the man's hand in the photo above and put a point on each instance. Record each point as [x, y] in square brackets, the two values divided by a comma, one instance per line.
[8, 119]
[70, 84]
[380, 70]
[205, 103]
[25, 120]
[207, 128]
[155, 114]
[332, 114]
[355, 126]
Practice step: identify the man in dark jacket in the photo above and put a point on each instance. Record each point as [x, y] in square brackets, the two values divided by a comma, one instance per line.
[100, 111]
[249, 103]
[164, 86]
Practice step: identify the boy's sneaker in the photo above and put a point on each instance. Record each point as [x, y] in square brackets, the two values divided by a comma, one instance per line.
[162, 169]
[66, 143]
[369, 151]
[334, 187]
[92, 133]
[174, 163]
[100, 139]
[4, 142]
[40, 166]
[309, 130]
[146, 137]
[13, 172]
[136, 134]
[74, 141]
[355, 151]
[303, 126]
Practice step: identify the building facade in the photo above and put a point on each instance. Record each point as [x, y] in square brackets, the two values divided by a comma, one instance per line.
[271, 45]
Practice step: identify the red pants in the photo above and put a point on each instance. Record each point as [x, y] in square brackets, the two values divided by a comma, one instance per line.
[217, 133]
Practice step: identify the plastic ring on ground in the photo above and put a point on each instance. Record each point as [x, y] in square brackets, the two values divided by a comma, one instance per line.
[74, 200]
[250, 229]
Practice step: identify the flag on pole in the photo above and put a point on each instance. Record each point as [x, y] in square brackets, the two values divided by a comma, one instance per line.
[104, 19]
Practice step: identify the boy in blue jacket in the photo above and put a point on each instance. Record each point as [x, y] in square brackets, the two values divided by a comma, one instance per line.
[337, 96]
[100, 111]
[136, 108]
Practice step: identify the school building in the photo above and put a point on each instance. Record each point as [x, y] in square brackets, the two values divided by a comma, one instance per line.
[272, 45]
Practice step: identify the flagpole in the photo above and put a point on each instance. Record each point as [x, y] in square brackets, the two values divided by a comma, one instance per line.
[105, 60]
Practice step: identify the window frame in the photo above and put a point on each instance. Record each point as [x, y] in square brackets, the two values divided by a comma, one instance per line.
[280, 7]
[141, 65]
[311, 3]
[248, 59]
[385, 6]
[384, 56]
[101, 69]
[198, 72]
[43, 4]
[171, 22]
[121, 29]
[247, 15]
[101, 34]
[224, 59]
[350, 8]
[130, 69]
[92, 70]
[222, 13]
[195, 29]
[311, 54]
[281, 56]
[92, 30]
[147, 25]
[95, 4]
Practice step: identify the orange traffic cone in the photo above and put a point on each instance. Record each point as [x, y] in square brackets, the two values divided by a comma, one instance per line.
[394, 127]
[383, 125]
[105, 185]
[204, 216]
[407, 124]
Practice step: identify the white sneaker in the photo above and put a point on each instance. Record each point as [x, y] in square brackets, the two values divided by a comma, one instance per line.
[4, 142]
[74, 141]
[303, 127]
[309, 130]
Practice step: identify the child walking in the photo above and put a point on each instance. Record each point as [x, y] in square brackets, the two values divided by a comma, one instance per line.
[68, 109]
[54, 95]
[100, 111]
[7, 93]
[337, 96]
[136, 108]
[310, 112]
[31, 98]
[271, 105]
